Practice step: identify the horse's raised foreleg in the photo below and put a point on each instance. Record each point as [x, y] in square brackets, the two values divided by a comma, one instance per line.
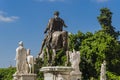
[53, 56]
[48, 56]
[67, 62]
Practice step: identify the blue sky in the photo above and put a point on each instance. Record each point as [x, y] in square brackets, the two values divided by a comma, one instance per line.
[26, 20]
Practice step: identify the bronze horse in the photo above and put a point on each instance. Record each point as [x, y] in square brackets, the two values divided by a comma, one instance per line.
[58, 41]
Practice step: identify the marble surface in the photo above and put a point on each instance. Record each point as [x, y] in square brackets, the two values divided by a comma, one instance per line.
[56, 72]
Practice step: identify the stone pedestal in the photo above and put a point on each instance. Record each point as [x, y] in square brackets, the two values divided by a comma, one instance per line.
[24, 77]
[76, 77]
[56, 72]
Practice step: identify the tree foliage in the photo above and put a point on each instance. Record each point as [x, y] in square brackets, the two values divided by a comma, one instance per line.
[94, 50]
[105, 20]
[7, 73]
[75, 40]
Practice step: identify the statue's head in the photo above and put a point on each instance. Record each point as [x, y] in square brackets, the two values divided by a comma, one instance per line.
[104, 62]
[21, 43]
[28, 51]
[56, 13]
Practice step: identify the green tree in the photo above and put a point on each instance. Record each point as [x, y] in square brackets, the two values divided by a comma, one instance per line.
[7, 73]
[75, 40]
[105, 20]
[94, 50]
[38, 64]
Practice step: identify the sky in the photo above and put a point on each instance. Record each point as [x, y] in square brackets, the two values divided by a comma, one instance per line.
[26, 20]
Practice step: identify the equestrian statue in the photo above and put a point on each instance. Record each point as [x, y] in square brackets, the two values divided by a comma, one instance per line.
[55, 39]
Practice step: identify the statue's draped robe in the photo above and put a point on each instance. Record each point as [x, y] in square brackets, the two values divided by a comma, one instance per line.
[21, 55]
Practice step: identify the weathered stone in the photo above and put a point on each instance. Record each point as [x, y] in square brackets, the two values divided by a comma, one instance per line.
[24, 77]
[56, 72]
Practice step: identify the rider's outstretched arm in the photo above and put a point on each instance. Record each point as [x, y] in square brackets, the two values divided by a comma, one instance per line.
[64, 24]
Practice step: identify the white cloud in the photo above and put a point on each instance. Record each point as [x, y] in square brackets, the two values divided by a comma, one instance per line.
[102, 0]
[1, 12]
[51, 0]
[4, 18]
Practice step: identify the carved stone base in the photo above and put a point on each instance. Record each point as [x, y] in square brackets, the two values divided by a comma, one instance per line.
[76, 77]
[24, 77]
[56, 72]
